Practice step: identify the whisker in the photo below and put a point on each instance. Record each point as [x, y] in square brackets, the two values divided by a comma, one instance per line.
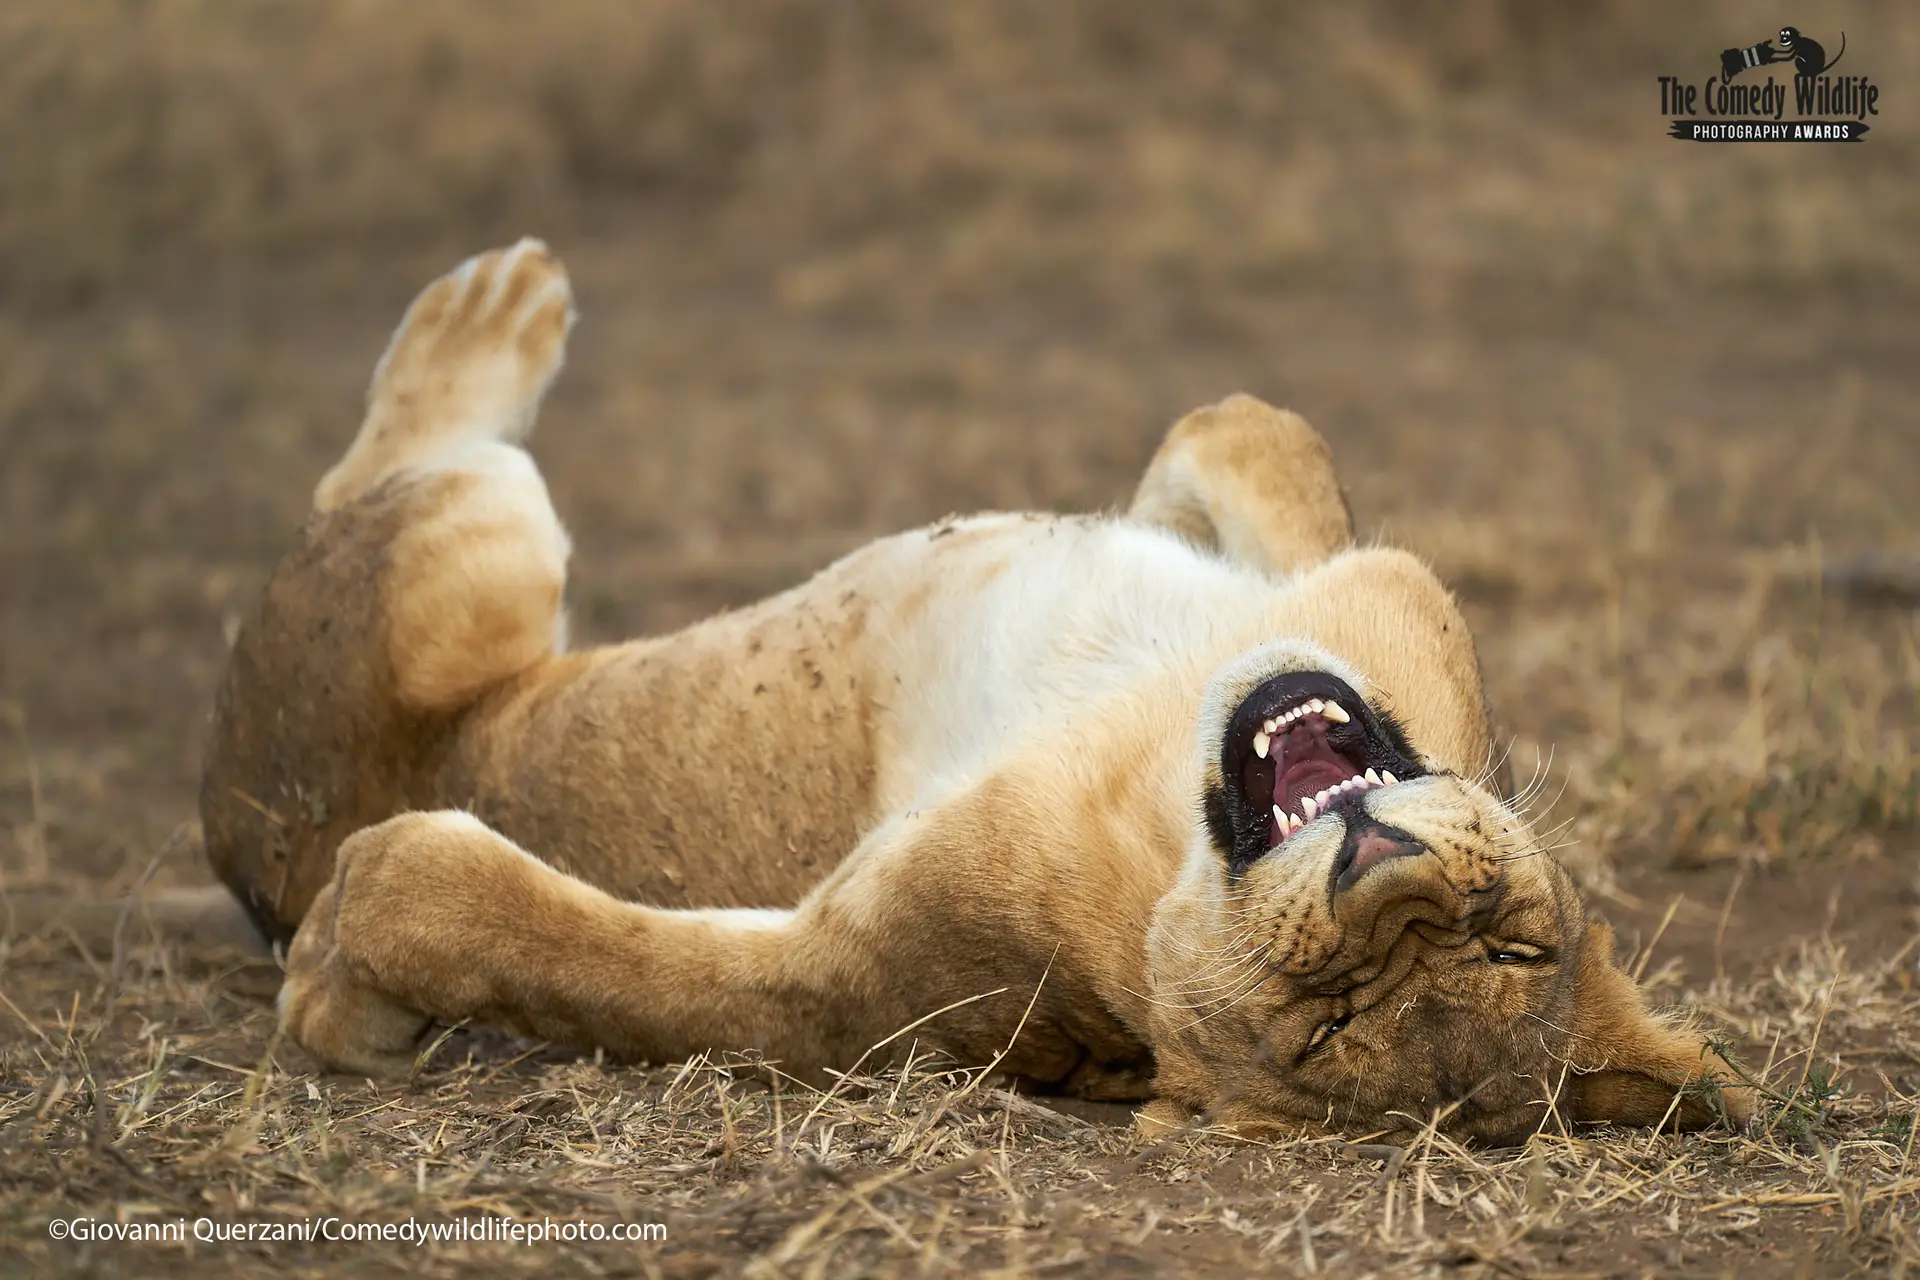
[1228, 979]
[1239, 989]
[1232, 1003]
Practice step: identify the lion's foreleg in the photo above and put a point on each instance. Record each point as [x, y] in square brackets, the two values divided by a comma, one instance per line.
[435, 916]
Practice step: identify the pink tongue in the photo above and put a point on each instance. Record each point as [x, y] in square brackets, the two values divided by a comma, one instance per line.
[1309, 777]
[1307, 764]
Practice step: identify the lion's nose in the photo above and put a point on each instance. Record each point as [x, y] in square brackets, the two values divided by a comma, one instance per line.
[1368, 844]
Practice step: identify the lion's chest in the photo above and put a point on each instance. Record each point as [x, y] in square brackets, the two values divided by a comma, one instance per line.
[1047, 627]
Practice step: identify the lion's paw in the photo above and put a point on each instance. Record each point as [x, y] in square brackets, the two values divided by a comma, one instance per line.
[384, 947]
[333, 1012]
[480, 345]
[469, 363]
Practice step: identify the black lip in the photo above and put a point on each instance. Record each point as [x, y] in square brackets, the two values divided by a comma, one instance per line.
[1370, 736]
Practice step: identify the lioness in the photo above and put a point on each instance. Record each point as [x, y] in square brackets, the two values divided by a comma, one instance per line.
[1184, 804]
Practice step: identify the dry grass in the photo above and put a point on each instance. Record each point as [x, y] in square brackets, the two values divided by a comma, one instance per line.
[847, 268]
[146, 1099]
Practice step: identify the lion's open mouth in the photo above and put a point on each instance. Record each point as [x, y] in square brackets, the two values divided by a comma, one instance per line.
[1310, 774]
[1301, 746]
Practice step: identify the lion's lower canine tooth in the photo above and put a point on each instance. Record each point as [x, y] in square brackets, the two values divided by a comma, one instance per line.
[1387, 778]
[1334, 712]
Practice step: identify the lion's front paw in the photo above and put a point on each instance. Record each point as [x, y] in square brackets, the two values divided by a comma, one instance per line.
[337, 1015]
[389, 944]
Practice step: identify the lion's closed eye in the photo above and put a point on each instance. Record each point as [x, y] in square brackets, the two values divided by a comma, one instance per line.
[1517, 952]
[1325, 1032]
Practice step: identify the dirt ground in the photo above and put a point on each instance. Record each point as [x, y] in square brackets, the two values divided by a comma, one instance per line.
[1651, 408]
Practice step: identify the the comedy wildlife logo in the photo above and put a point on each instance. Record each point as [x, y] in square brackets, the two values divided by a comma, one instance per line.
[1809, 57]
[1827, 107]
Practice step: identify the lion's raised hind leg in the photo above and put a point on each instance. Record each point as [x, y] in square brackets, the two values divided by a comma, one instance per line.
[1251, 481]
[468, 364]
[432, 569]
[473, 558]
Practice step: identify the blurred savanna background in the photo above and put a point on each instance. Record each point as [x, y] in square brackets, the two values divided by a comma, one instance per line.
[1652, 408]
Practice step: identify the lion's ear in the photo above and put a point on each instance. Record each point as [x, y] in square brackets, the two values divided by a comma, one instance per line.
[1627, 1066]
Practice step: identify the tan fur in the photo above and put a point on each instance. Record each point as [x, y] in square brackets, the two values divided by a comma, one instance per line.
[469, 363]
[949, 797]
[1213, 482]
[472, 594]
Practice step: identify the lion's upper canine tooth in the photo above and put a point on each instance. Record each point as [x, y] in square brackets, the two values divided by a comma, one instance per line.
[1373, 777]
[1310, 807]
[1387, 778]
[1260, 744]
[1334, 712]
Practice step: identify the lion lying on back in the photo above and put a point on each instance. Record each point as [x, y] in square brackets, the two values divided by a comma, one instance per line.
[1193, 790]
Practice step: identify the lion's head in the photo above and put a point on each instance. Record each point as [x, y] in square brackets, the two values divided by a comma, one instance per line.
[1364, 940]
